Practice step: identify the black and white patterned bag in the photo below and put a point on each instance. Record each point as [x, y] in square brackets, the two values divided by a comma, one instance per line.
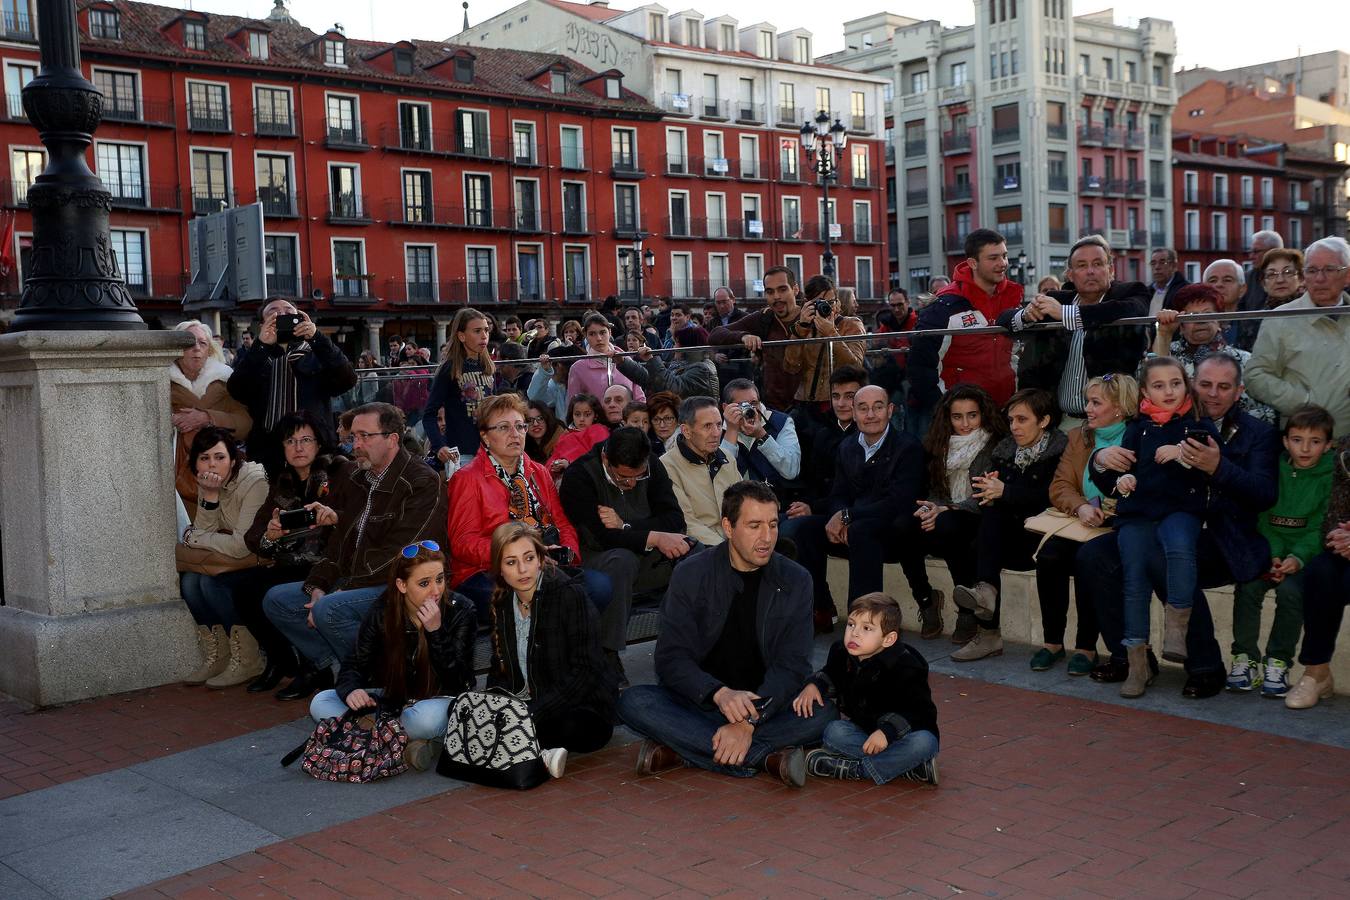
[490, 740]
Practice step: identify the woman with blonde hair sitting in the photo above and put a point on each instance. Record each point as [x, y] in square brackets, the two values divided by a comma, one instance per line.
[199, 399]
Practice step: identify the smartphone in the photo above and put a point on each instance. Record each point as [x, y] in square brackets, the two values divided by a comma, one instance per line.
[1199, 435]
[286, 324]
[297, 518]
[760, 705]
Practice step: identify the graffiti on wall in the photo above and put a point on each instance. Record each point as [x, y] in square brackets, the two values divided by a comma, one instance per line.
[587, 42]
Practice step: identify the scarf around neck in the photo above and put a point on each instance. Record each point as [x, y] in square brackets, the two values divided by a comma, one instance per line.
[1106, 436]
[1025, 456]
[1162, 416]
[961, 452]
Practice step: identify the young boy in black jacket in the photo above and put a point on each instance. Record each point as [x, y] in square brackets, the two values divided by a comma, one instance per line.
[887, 726]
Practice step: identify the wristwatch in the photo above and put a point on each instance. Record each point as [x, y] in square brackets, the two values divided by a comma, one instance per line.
[845, 516]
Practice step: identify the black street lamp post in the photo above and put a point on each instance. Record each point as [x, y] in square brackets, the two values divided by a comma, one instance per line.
[823, 145]
[73, 282]
[636, 258]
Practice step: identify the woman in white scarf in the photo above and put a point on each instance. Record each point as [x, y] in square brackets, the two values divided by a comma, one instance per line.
[959, 445]
[198, 398]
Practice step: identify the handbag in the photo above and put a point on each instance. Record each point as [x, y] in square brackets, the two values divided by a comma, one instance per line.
[490, 740]
[205, 561]
[1056, 523]
[354, 747]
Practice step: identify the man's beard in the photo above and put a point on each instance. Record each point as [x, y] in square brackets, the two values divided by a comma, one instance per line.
[363, 463]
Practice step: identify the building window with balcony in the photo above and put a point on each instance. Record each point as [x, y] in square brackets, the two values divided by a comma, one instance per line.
[576, 273]
[623, 145]
[1084, 64]
[1247, 185]
[789, 152]
[272, 172]
[862, 221]
[334, 52]
[1190, 187]
[1220, 190]
[916, 186]
[677, 152]
[1157, 228]
[1056, 171]
[414, 126]
[857, 108]
[626, 209]
[1085, 224]
[862, 165]
[1008, 222]
[753, 225]
[194, 35]
[121, 168]
[574, 207]
[714, 156]
[1131, 72]
[863, 278]
[681, 275]
[478, 201]
[1192, 221]
[571, 150]
[1159, 77]
[823, 100]
[792, 219]
[130, 250]
[754, 275]
[917, 229]
[208, 107]
[343, 120]
[25, 166]
[1218, 226]
[210, 181]
[1057, 220]
[529, 272]
[121, 94]
[1006, 124]
[105, 24]
[527, 204]
[719, 271]
[419, 266]
[1268, 193]
[417, 196]
[1108, 68]
[272, 107]
[16, 76]
[716, 206]
[523, 141]
[18, 19]
[344, 185]
[481, 265]
[280, 258]
[749, 161]
[258, 45]
[471, 132]
[959, 76]
[787, 103]
[1007, 173]
[745, 105]
[349, 269]
[916, 139]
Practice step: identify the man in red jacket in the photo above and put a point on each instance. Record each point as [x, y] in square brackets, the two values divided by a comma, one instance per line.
[979, 291]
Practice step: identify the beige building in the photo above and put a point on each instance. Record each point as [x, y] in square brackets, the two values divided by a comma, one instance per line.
[1043, 125]
[1317, 76]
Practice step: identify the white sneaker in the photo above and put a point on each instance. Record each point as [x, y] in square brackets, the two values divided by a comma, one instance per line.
[1245, 675]
[1276, 681]
[555, 760]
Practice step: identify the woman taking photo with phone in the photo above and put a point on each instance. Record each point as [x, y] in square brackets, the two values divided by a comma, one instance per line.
[414, 653]
[546, 646]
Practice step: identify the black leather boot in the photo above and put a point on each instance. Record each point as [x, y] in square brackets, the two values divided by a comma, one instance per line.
[308, 683]
[280, 664]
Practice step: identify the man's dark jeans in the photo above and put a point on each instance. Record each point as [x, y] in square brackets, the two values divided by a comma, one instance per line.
[1102, 575]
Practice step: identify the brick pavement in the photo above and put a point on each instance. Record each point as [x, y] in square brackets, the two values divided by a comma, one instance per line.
[53, 746]
[1042, 795]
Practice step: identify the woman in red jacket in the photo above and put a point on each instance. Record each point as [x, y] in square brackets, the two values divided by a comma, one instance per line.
[502, 484]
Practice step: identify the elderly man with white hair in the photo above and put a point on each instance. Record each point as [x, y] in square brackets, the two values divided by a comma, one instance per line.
[1307, 360]
[1228, 278]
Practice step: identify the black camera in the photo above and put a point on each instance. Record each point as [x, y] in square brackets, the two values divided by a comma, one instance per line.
[748, 412]
[824, 308]
[286, 325]
[297, 518]
[552, 539]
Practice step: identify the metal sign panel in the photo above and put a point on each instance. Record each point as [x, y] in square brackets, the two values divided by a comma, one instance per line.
[227, 258]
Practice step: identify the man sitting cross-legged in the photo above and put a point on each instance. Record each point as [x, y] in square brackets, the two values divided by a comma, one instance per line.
[734, 652]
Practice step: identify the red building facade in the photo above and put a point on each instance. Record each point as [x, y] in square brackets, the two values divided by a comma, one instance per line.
[409, 179]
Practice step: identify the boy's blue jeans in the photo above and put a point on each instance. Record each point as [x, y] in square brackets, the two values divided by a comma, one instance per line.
[688, 729]
[844, 738]
[1141, 542]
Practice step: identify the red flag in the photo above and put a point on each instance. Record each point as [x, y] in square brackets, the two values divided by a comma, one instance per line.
[7, 246]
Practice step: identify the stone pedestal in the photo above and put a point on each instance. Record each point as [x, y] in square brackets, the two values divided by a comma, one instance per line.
[87, 515]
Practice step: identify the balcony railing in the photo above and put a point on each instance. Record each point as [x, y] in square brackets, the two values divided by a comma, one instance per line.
[129, 109]
[918, 245]
[1091, 184]
[1135, 187]
[712, 166]
[789, 176]
[712, 108]
[283, 284]
[749, 168]
[862, 232]
[916, 148]
[14, 110]
[1157, 190]
[1057, 132]
[1157, 239]
[527, 219]
[627, 226]
[748, 229]
[266, 125]
[789, 116]
[476, 293]
[1008, 184]
[798, 230]
[213, 203]
[166, 197]
[956, 193]
[1114, 137]
[1138, 237]
[680, 227]
[917, 197]
[429, 214]
[710, 227]
[349, 287]
[955, 242]
[208, 117]
[678, 104]
[348, 209]
[625, 165]
[676, 164]
[1134, 140]
[956, 142]
[1155, 142]
[861, 124]
[863, 180]
[1057, 182]
[1059, 235]
[1011, 231]
[749, 113]
[18, 24]
[1007, 135]
[346, 137]
[1091, 134]
[574, 221]
[277, 204]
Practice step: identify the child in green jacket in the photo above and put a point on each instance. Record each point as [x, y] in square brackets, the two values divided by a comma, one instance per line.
[1293, 527]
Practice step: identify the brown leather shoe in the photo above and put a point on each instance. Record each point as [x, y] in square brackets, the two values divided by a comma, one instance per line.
[788, 766]
[930, 617]
[653, 758]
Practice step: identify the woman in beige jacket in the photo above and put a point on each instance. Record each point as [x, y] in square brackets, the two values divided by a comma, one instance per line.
[198, 398]
[229, 493]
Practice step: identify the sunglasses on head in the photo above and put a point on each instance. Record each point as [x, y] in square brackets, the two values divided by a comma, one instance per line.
[411, 550]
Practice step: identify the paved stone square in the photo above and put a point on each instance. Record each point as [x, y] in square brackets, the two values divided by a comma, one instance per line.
[177, 792]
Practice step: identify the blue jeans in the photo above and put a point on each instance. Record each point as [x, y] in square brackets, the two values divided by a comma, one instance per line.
[1141, 541]
[210, 600]
[425, 720]
[337, 620]
[914, 749]
[688, 729]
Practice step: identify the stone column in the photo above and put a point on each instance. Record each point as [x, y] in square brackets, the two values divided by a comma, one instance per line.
[373, 340]
[442, 329]
[88, 515]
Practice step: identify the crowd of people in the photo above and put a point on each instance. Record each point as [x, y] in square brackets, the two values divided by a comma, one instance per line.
[347, 538]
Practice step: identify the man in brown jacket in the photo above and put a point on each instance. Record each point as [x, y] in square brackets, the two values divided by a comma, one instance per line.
[769, 324]
[389, 501]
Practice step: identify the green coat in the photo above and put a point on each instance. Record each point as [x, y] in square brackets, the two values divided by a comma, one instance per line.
[1293, 526]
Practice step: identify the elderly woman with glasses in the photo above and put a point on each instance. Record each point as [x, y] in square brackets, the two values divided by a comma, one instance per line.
[501, 484]
[413, 654]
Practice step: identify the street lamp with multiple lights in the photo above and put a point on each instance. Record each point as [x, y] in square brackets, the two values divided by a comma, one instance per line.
[824, 145]
[634, 259]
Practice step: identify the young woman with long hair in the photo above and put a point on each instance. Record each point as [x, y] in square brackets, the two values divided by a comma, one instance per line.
[542, 431]
[413, 654]
[462, 382]
[959, 446]
[546, 644]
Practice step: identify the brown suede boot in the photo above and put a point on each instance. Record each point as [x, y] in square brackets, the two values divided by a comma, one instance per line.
[1141, 675]
[788, 766]
[1175, 623]
[215, 649]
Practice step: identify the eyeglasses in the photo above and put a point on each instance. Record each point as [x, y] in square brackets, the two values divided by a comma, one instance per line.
[411, 550]
[625, 479]
[663, 420]
[1272, 274]
[299, 442]
[364, 436]
[534, 420]
[1329, 271]
[508, 427]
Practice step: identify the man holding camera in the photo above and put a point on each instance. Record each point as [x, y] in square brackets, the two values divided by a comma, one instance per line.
[387, 502]
[762, 441]
[813, 363]
[628, 523]
[292, 366]
[772, 323]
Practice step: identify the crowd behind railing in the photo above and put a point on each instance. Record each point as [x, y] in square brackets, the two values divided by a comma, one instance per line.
[348, 530]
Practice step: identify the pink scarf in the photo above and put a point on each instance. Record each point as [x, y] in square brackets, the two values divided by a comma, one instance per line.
[1162, 416]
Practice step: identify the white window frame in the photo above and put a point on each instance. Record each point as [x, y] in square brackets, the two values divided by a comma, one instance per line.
[1193, 272]
[1221, 197]
[1190, 187]
[543, 266]
[431, 185]
[145, 243]
[872, 277]
[341, 44]
[684, 143]
[1247, 185]
[145, 164]
[745, 270]
[581, 146]
[290, 103]
[740, 156]
[637, 202]
[258, 40]
[689, 282]
[562, 204]
[538, 201]
[435, 266]
[1248, 226]
[187, 97]
[356, 110]
[122, 70]
[290, 173]
[496, 266]
[688, 209]
[14, 178]
[464, 196]
[1189, 236]
[534, 139]
[726, 268]
[1218, 230]
[328, 185]
[585, 250]
[859, 205]
[398, 120]
[230, 186]
[299, 265]
[707, 216]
